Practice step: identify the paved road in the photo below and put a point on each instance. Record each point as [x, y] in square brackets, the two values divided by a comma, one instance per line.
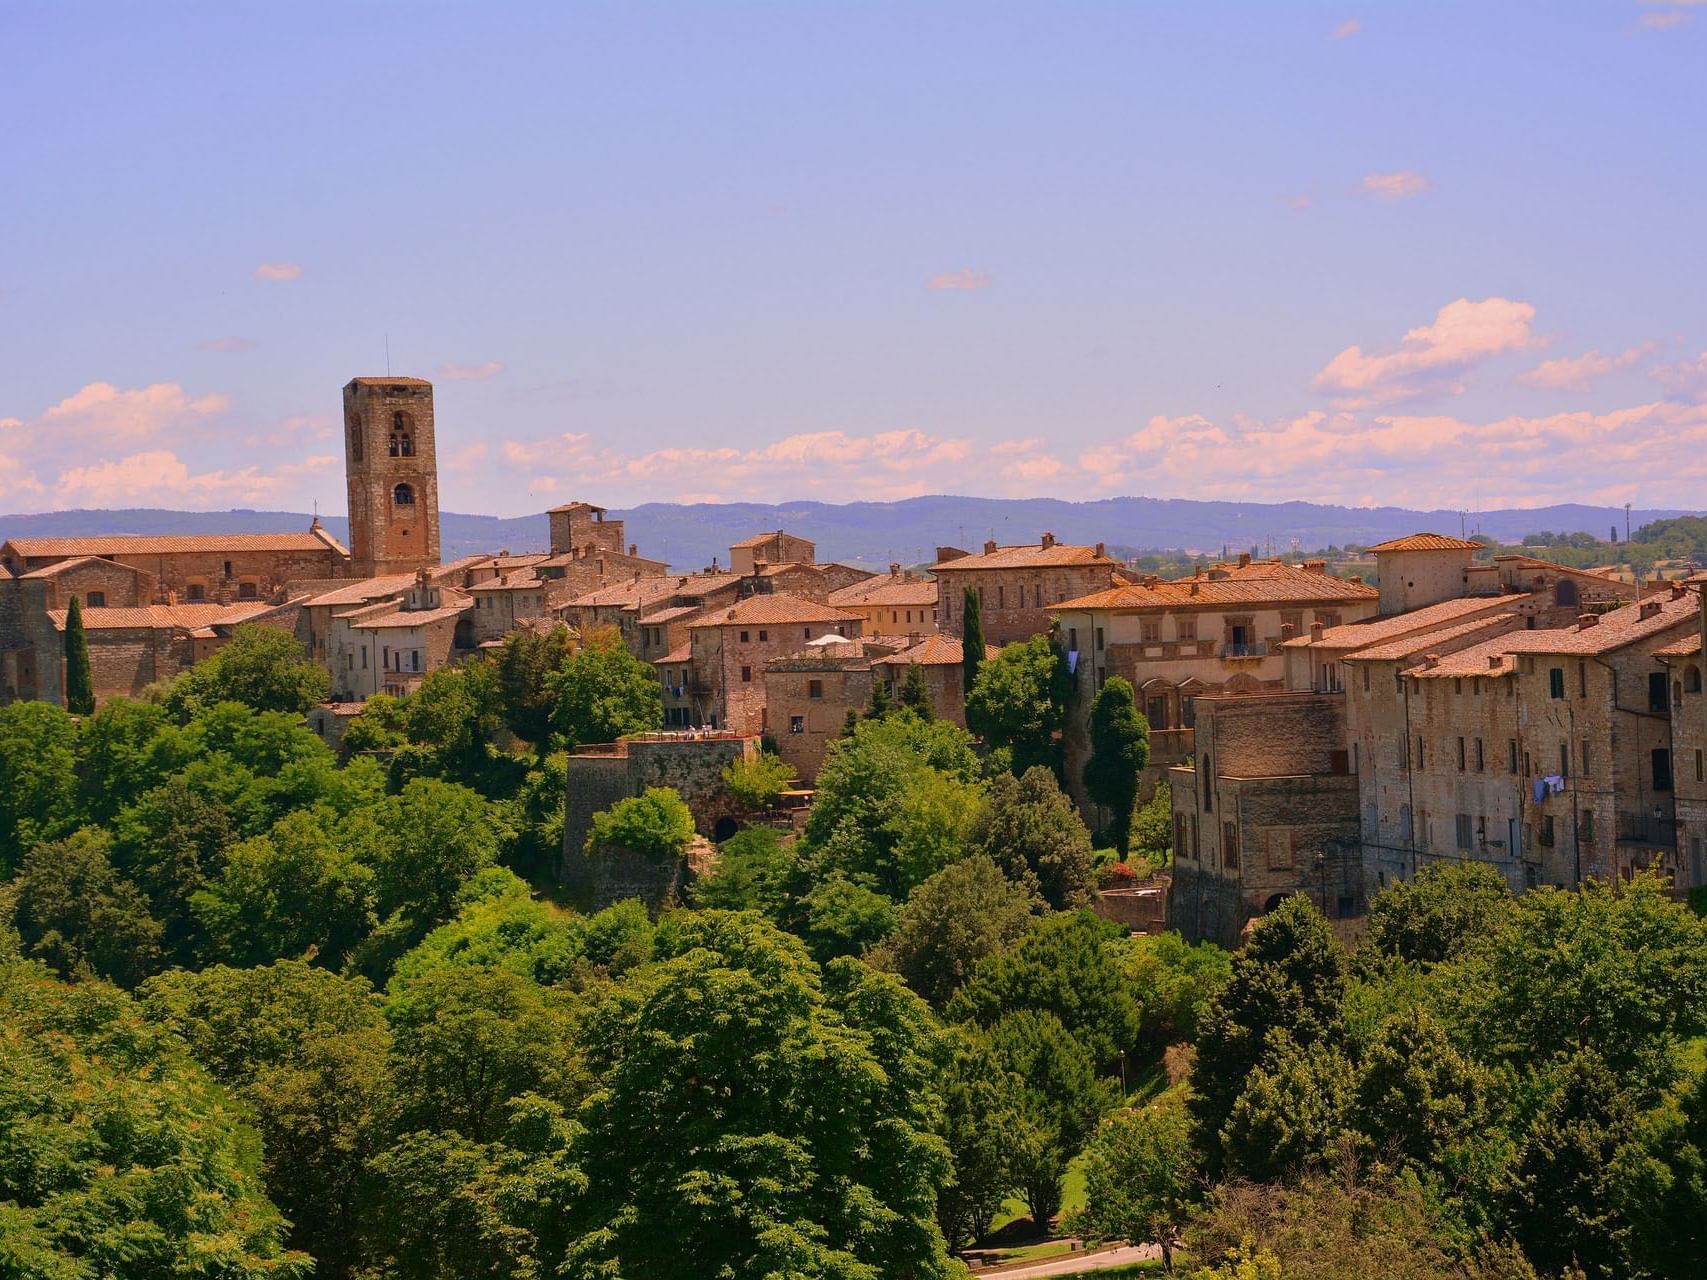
[1072, 1264]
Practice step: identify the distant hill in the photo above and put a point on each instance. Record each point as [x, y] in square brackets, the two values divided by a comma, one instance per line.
[876, 533]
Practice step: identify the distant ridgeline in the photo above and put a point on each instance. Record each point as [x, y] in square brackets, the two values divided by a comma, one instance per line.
[878, 533]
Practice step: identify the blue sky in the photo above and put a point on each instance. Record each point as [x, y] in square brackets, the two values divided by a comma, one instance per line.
[1422, 254]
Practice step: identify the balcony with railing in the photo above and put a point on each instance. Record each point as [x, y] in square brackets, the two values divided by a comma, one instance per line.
[1656, 830]
[1247, 649]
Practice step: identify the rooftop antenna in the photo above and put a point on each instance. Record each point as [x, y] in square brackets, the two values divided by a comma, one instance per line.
[388, 353]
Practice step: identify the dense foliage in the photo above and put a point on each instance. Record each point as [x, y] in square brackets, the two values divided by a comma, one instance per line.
[271, 1009]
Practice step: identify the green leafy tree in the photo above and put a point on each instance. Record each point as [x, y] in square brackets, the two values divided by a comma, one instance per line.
[1289, 977]
[840, 918]
[383, 725]
[965, 912]
[781, 1184]
[916, 694]
[1619, 969]
[1030, 828]
[525, 664]
[171, 842]
[452, 717]
[603, 692]
[121, 1157]
[1667, 1200]
[261, 667]
[971, 638]
[1173, 981]
[657, 823]
[123, 750]
[1434, 917]
[1061, 1099]
[467, 1039]
[38, 778]
[1140, 1171]
[878, 705]
[1018, 702]
[753, 872]
[1417, 1097]
[79, 677]
[307, 1052]
[501, 925]
[1292, 1111]
[293, 893]
[1068, 965]
[1153, 826]
[755, 783]
[1562, 1198]
[423, 845]
[534, 816]
[984, 1109]
[78, 915]
[1120, 748]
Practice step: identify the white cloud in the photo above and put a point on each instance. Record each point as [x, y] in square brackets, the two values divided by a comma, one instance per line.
[1346, 29]
[1684, 377]
[101, 413]
[1464, 333]
[1395, 186]
[471, 372]
[160, 478]
[1577, 373]
[966, 278]
[278, 272]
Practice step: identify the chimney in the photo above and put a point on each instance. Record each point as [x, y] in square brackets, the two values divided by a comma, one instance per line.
[1194, 586]
[1315, 632]
[1151, 580]
[894, 570]
[1244, 559]
[989, 545]
[1494, 661]
[1678, 591]
[1102, 552]
[504, 552]
[1286, 630]
[1587, 620]
[1048, 541]
[1649, 609]
[1431, 660]
[1316, 566]
[634, 549]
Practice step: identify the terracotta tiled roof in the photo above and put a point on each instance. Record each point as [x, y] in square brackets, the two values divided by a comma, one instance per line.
[389, 381]
[1426, 542]
[636, 591]
[886, 591]
[163, 616]
[669, 615]
[1687, 647]
[1435, 639]
[1259, 582]
[679, 655]
[759, 539]
[1359, 635]
[363, 590]
[524, 581]
[1613, 631]
[572, 506]
[411, 617]
[168, 544]
[1029, 556]
[60, 566]
[759, 610]
[933, 651]
[622, 558]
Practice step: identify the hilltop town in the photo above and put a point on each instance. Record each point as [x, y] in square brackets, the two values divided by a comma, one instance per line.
[1319, 734]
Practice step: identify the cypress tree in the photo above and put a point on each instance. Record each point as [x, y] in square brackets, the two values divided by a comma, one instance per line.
[1120, 748]
[79, 678]
[971, 639]
[915, 693]
[879, 705]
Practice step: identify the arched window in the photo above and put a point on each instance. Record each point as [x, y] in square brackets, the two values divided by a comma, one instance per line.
[403, 496]
[402, 443]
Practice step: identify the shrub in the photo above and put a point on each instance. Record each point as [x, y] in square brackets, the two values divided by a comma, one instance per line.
[656, 822]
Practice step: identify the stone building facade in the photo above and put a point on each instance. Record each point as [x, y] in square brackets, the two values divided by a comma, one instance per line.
[391, 470]
[729, 650]
[893, 604]
[1020, 588]
[807, 699]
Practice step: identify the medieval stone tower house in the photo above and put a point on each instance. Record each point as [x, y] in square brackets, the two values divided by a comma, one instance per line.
[391, 465]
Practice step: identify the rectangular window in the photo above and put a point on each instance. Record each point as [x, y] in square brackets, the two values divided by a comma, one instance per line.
[1662, 769]
[1230, 845]
[814, 688]
[1546, 834]
[1072, 639]
[746, 675]
[1511, 757]
[743, 637]
[1481, 764]
[1001, 597]
[797, 724]
[1698, 766]
[1585, 758]
[1420, 758]
[1564, 759]
[1099, 639]
[1366, 677]
[1556, 681]
[763, 636]
[1585, 829]
[1460, 755]
[1657, 694]
[1150, 630]
[1466, 841]
[1582, 679]
[1188, 629]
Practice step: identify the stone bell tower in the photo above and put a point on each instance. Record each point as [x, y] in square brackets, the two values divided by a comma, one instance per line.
[391, 464]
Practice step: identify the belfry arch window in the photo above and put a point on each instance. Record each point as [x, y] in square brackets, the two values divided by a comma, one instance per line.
[403, 496]
[402, 436]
